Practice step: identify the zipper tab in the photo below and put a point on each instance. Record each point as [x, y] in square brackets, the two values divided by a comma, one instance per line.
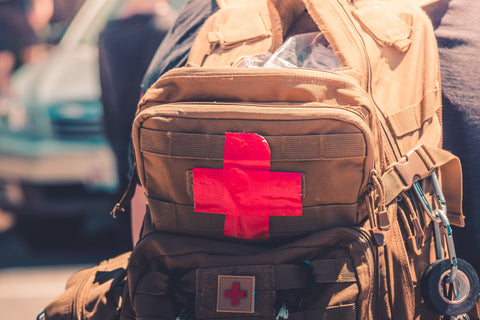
[127, 195]
[377, 212]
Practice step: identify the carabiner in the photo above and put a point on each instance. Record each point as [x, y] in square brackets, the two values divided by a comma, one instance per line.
[439, 217]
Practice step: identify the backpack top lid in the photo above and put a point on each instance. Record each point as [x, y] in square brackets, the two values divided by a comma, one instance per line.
[388, 46]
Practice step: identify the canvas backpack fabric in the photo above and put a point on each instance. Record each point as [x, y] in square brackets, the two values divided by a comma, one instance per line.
[286, 192]
[92, 293]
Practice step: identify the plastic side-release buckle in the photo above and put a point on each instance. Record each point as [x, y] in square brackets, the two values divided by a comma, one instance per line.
[413, 166]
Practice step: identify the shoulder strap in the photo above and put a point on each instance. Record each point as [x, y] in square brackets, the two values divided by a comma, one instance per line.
[435, 9]
[335, 23]
[225, 36]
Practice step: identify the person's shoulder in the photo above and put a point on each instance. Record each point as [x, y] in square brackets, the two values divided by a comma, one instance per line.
[174, 49]
[195, 10]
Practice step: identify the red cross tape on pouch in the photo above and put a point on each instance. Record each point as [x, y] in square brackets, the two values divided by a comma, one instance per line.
[245, 190]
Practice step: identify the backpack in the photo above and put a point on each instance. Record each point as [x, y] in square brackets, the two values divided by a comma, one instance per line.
[297, 193]
[91, 293]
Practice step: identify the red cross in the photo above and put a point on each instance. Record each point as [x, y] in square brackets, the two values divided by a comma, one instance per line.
[235, 294]
[245, 190]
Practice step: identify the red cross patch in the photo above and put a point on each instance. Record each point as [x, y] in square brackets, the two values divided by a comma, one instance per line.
[245, 190]
[236, 294]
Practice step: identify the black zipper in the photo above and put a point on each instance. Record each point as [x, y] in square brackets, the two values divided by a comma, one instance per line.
[128, 194]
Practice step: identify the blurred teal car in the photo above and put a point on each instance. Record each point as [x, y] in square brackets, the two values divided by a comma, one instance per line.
[54, 157]
[55, 161]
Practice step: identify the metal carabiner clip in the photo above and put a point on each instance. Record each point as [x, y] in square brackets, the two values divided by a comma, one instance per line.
[449, 285]
[439, 217]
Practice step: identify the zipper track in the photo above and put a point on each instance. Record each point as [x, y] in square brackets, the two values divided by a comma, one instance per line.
[392, 142]
[350, 109]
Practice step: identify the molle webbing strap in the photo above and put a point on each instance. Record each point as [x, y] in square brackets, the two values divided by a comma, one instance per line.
[412, 118]
[183, 218]
[284, 148]
[290, 276]
[333, 270]
[419, 164]
[284, 276]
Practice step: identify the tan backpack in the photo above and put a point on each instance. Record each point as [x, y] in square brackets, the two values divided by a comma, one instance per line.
[299, 193]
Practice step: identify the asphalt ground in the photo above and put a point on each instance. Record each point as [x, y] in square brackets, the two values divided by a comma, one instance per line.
[35, 265]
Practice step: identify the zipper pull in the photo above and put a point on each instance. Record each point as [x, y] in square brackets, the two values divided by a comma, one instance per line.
[377, 211]
[127, 195]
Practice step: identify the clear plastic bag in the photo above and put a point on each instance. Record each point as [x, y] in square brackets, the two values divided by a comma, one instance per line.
[253, 61]
[307, 50]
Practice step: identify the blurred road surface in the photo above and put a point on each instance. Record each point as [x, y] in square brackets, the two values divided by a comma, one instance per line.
[24, 292]
[34, 270]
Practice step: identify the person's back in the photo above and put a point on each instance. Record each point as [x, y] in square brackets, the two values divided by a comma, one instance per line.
[16, 35]
[126, 47]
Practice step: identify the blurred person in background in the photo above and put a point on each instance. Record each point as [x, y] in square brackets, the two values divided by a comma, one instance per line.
[172, 53]
[17, 36]
[39, 14]
[63, 14]
[175, 48]
[28, 28]
[126, 47]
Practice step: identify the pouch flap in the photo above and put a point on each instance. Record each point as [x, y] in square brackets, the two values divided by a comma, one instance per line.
[231, 29]
[225, 37]
[385, 24]
[412, 118]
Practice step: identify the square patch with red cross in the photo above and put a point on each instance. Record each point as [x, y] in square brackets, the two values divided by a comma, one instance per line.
[236, 294]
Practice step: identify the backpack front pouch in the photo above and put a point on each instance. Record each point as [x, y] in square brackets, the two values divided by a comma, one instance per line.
[329, 274]
[216, 151]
